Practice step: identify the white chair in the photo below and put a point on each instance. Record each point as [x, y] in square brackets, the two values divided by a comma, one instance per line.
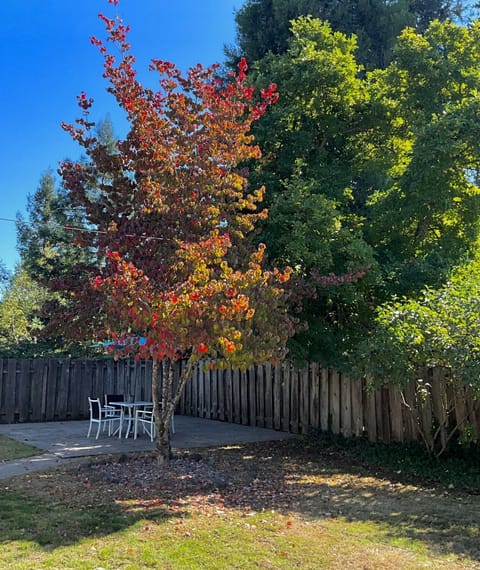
[146, 420]
[104, 416]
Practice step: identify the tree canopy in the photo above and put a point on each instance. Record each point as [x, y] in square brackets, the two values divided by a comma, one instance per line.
[345, 164]
[263, 26]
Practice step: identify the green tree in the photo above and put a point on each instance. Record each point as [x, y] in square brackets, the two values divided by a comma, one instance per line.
[45, 238]
[20, 324]
[439, 329]
[378, 171]
[263, 26]
[315, 190]
[424, 218]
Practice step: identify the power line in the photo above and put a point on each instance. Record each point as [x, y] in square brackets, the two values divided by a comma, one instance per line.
[69, 227]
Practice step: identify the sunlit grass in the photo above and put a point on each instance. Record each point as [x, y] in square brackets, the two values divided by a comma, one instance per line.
[61, 520]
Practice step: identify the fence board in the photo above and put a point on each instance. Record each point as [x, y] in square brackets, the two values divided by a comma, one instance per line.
[426, 419]
[260, 396]
[409, 412]
[314, 396]
[460, 406]
[243, 397]
[221, 395]
[63, 390]
[252, 396]
[9, 393]
[268, 378]
[24, 382]
[325, 418]
[237, 405]
[386, 414]
[214, 394]
[334, 399]
[357, 408]
[346, 406]
[371, 417]
[277, 396]
[207, 378]
[294, 401]
[439, 404]
[396, 418]
[304, 400]
[286, 383]
[229, 395]
[36, 397]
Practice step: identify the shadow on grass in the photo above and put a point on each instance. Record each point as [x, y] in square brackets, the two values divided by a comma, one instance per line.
[326, 484]
[52, 523]
[106, 496]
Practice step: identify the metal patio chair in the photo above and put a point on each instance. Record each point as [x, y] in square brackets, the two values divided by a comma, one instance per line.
[103, 416]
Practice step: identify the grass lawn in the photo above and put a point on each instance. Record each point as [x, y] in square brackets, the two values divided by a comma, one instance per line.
[11, 449]
[267, 506]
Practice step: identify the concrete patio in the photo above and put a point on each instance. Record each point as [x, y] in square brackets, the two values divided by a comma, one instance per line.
[65, 441]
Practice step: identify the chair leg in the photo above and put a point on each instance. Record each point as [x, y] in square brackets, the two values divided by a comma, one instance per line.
[89, 429]
[99, 428]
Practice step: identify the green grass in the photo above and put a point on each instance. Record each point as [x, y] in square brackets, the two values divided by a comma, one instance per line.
[64, 538]
[11, 449]
[284, 506]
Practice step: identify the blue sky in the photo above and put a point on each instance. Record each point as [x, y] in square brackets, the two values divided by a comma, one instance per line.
[47, 60]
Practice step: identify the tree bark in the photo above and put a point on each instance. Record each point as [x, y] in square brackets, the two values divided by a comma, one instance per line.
[164, 405]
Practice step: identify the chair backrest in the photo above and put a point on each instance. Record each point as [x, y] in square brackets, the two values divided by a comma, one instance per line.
[112, 398]
[95, 408]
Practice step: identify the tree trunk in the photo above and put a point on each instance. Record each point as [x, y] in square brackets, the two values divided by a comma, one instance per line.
[164, 405]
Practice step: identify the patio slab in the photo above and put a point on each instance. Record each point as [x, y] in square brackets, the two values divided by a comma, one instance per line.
[64, 441]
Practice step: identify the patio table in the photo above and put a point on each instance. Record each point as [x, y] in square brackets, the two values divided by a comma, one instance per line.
[128, 414]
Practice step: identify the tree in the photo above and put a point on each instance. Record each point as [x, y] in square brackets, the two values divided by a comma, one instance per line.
[263, 26]
[44, 239]
[20, 324]
[428, 148]
[439, 329]
[173, 214]
[316, 190]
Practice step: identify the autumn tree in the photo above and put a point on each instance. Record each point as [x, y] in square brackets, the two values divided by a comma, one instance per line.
[173, 214]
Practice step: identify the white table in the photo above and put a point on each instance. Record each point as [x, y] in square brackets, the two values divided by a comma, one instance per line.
[128, 414]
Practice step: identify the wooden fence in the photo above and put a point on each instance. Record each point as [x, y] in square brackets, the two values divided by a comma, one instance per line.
[278, 397]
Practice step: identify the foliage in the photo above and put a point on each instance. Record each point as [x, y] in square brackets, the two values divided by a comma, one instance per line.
[48, 254]
[344, 162]
[4, 275]
[440, 328]
[44, 239]
[313, 193]
[19, 313]
[173, 213]
[263, 26]
[428, 149]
